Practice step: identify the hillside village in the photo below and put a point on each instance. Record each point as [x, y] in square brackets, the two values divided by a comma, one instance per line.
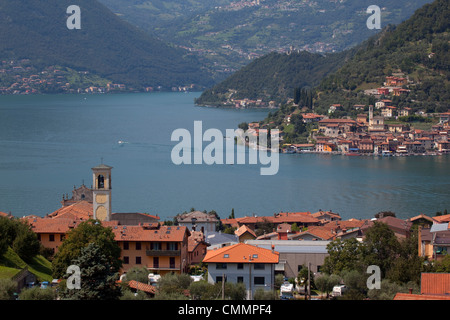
[380, 129]
[266, 246]
[20, 77]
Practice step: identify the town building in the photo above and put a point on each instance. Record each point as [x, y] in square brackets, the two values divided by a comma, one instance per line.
[243, 263]
[295, 255]
[198, 221]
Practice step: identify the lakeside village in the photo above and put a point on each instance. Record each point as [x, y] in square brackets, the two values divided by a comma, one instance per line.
[19, 77]
[253, 250]
[379, 131]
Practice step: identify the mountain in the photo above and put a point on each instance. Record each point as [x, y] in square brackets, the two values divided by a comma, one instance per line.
[225, 34]
[416, 49]
[105, 45]
[274, 77]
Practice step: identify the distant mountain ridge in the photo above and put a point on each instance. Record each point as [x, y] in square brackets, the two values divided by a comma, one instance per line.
[417, 48]
[105, 45]
[225, 34]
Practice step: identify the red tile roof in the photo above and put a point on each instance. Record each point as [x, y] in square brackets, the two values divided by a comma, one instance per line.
[244, 229]
[82, 210]
[241, 253]
[435, 283]
[46, 225]
[142, 286]
[141, 233]
[409, 296]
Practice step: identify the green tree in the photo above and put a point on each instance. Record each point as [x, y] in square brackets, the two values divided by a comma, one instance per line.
[98, 276]
[18, 235]
[326, 282]
[381, 247]
[443, 265]
[408, 265]
[173, 284]
[87, 232]
[26, 244]
[36, 293]
[343, 255]
[137, 274]
[7, 289]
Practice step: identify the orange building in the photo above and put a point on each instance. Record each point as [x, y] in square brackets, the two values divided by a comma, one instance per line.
[161, 249]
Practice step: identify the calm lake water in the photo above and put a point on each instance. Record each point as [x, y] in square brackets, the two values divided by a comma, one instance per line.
[49, 143]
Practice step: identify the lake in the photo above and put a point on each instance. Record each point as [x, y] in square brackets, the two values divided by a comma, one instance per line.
[49, 143]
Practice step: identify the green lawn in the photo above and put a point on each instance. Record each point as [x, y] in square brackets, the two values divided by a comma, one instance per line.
[11, 263]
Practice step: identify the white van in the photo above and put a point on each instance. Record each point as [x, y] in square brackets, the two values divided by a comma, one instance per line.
[338, 290]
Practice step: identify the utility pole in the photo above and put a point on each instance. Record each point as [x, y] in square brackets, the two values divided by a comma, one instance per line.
[223, 286]
[309, 281]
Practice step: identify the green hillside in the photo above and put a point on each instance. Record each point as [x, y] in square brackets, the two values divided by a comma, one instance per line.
[274, 77]
[418, 49]
[225, 34]
[106, 45]
[11, 264]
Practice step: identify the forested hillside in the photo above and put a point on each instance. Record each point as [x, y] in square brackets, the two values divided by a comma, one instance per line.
[105, 45]
[417, 48]
[274, 77]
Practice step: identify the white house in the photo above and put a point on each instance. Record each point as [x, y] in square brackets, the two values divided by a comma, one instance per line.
[243, 263]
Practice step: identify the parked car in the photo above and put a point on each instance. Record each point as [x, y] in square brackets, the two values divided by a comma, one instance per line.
[338, 290]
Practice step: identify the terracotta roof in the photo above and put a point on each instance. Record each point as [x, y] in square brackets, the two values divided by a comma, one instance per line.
[333, 214]
[46, 225]
[410, 296]
[142, 286]
[142, 233]
[345, 224]
[319, 231]
[444, 218]
[244, 229]
[196, 238]
[282, 217]
[421, 216]
[82, 210]
[435, 284]
[241, 253]
[200, 216]
[3, 214]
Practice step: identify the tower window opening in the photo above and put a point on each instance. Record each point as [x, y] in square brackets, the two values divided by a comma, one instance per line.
[101, 182]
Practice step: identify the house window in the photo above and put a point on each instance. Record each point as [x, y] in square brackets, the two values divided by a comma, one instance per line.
[172, 246]
[156, 246]
[221, 266]
[240, 279]
[126, 260]
[138, 246]
[126, 246]
[240, 266]
[259, 266]
[258, 281]
[155, 262]
[62, 237]
[220, 279]
[51, 237]
[138, 260]
[172, 263]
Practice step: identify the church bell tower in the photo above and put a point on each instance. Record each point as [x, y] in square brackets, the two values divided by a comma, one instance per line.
[102, 192]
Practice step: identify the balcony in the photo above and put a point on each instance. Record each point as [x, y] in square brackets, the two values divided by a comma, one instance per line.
[163, 253]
